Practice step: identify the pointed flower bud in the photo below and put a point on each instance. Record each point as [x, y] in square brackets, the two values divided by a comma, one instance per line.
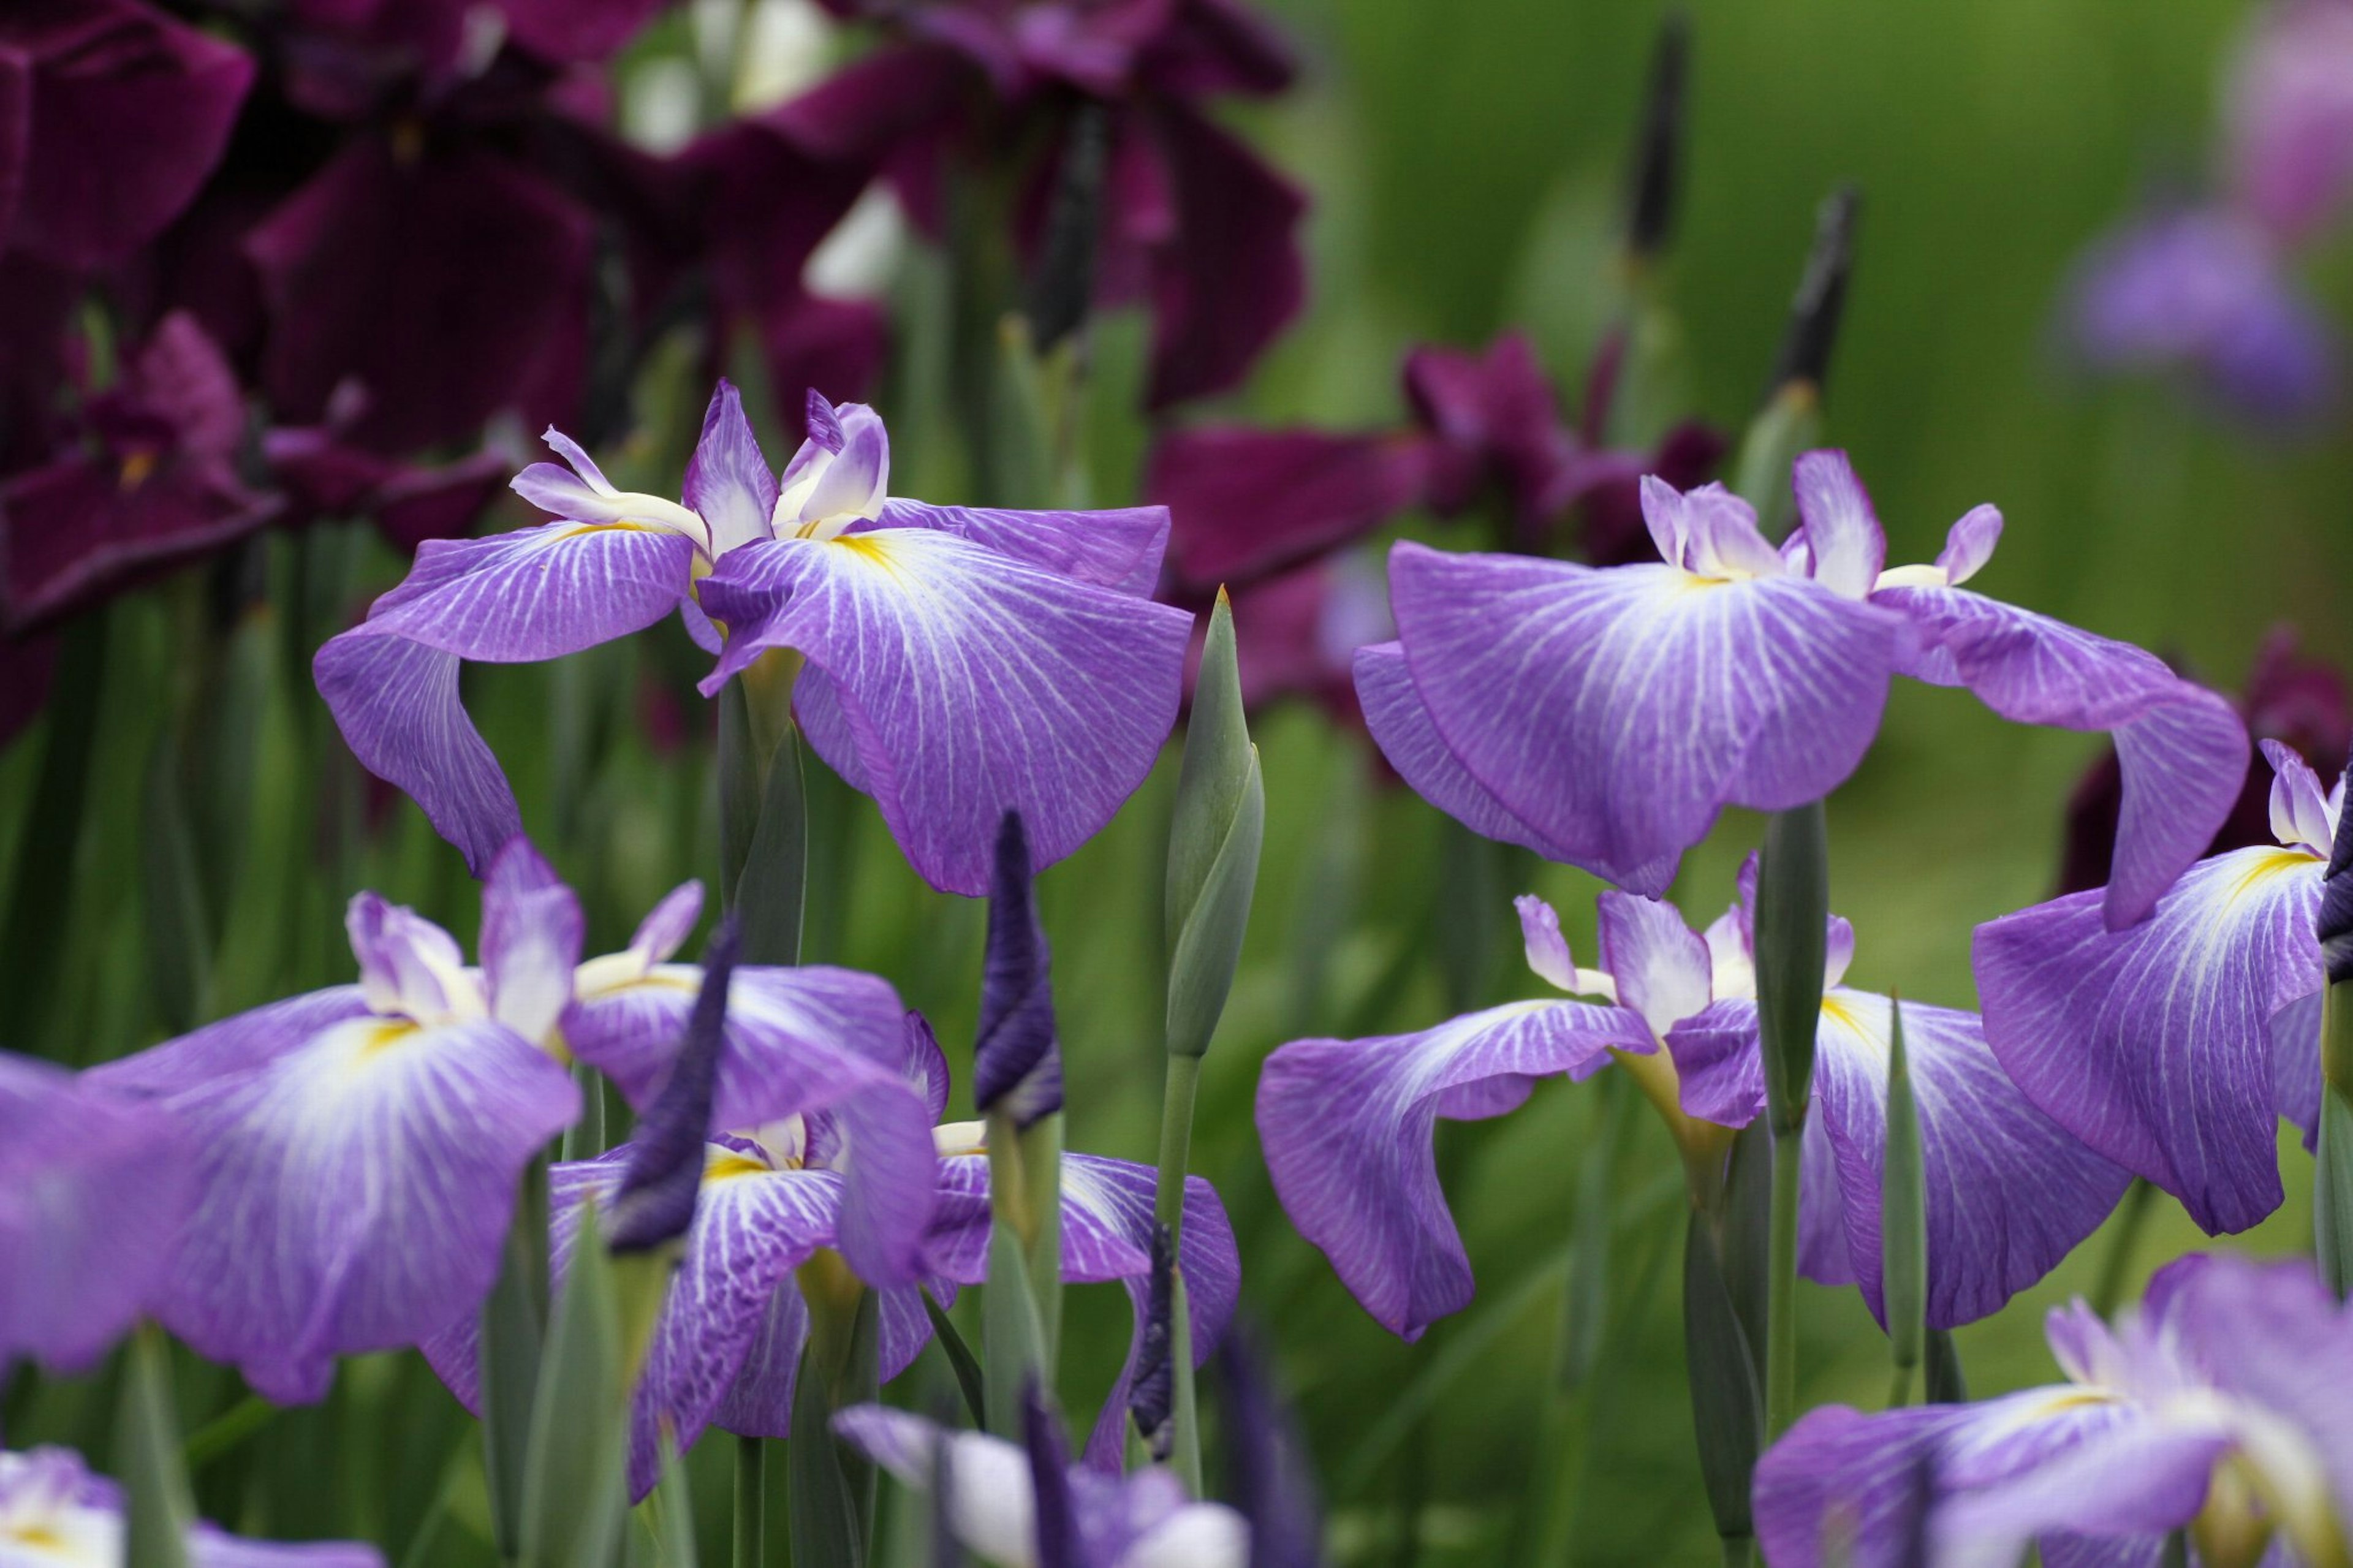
[1151, 1395]
[1266, 1466]
[1658, 156]
[1049, 1472]
[1213, 844]
[1793, 892]
[1064, 284]
[655, 1202]
[1016, 1062]
[1822, 293]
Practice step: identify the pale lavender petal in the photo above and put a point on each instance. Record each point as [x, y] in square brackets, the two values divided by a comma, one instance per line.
[1660, 963]
[1721, 537]
[1118, 549]
[210, 1547]
[2135, 1478]
[2152, 1044]
[2299, 806]
[1969, 544]
[1347, 1128]
[728, 481]
[95, 1185]
[854, 482]
[666, 928]
[2183, 748]
[1842, 1488]
[532, 931]
[407, 963]
[2009, 1192]
[234, 1045]
[799, 1042]
[2296, 1066]
[539, 593]
[353, 1194]
[1847, 546]
[1617, 712]
[2272, 1334]
[972, 684]
[1548, 950]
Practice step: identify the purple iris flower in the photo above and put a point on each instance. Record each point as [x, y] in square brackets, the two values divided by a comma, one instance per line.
[1603, 717]
[2206, 293]
[1003, 1499]
[1247, 502]
[1346, 1124]
[776, 1193]
[94, 1186]
[2219, 1406]
[111, 114]
[2176, 1047]
[54, 1511]
[359, 1147]
[959, 663]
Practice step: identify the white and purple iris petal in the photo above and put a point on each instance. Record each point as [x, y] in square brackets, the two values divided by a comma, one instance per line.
[2175, 1046]
[1139, 1520]
[53, 1510]
[961, 664]
[358, 1149]
[94, 1186]
[1604, 717]
[2226, 1362]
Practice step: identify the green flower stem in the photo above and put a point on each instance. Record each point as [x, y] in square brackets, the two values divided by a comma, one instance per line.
[749, 1499]
[2116, 1268]
[2332, 1194]
[1781, 1298]
[1176, 1141]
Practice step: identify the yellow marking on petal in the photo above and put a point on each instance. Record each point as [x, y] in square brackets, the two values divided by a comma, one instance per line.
[1839, 1012]
[136, 468]
[727, 1167]
[2273, 863]
[868, 547]
[385, 1035]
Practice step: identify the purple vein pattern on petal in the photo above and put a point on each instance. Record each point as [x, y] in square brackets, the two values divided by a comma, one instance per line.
[1119, 550]
[2009, 1192]
[967, 683]
[728, 481]
[1347, 1128]
[353, 1190]
[799, 1041]
[2183, 748]
[537, 593]
[2153, 1044]
[95, 1184]
[1616, 712]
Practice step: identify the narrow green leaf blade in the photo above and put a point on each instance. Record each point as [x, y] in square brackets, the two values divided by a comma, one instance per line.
[970, 1380]
[514, 1329]
[1209, 946]
[157, 1509]
[574, 1493]
[1903, 1212]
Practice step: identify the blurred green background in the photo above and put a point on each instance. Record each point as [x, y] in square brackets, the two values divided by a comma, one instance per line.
[1466, 162]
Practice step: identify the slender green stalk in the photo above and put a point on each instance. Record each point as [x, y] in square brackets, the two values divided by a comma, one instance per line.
[157, 1511]
[2116, 1268]
[514, 1327]
[1176, 1141]
[749, 1501]
[1781, 1298]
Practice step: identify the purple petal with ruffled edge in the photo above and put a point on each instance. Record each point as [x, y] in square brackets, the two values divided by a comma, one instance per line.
[1617, 712]
[728, 481]
[537, 593]
[95, 1185]
[2183, 748]
[2153, 1044]
[968, 684]
[1119, 550]
[799, 1042]
[1347, 1128]
[353, 1187]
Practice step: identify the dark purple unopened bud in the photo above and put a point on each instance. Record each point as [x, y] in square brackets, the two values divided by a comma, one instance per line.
[1822, 293]
[1016, 1062]
[1658, 156]
[1049, 1473]
[656, 1201]
[2335, 923]
[1063, 286]
[1267, 1477]
[1151, 1395]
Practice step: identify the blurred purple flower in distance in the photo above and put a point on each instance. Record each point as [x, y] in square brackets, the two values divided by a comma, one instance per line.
[2216, 1407]
[2175, 1046]
[94, 1186]
[2289, 118]
[1346, 1124]
[1604, 717]
[53, 1510]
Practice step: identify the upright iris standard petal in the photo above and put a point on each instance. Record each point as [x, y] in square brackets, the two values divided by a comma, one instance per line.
[94, 1187]
[2183, 748]
[1617, 712]
[1347, 1127]
[964, 683]
[728, 482]
[537, 594]
[531, 931]
[1015, 1060]
[2153, 1044]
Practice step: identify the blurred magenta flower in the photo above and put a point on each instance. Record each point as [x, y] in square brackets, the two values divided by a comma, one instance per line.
[959, 663]
[2217, 1406]
[1604, 717]
[2288, 118]
[776, 1193]
[2300, 702]
[54, 1511]
[1244, 502]
[2175, 1048]
[1194, 223]
[94, 1186]
[111, 115]
[1346, 1124]
[1005, 1500]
